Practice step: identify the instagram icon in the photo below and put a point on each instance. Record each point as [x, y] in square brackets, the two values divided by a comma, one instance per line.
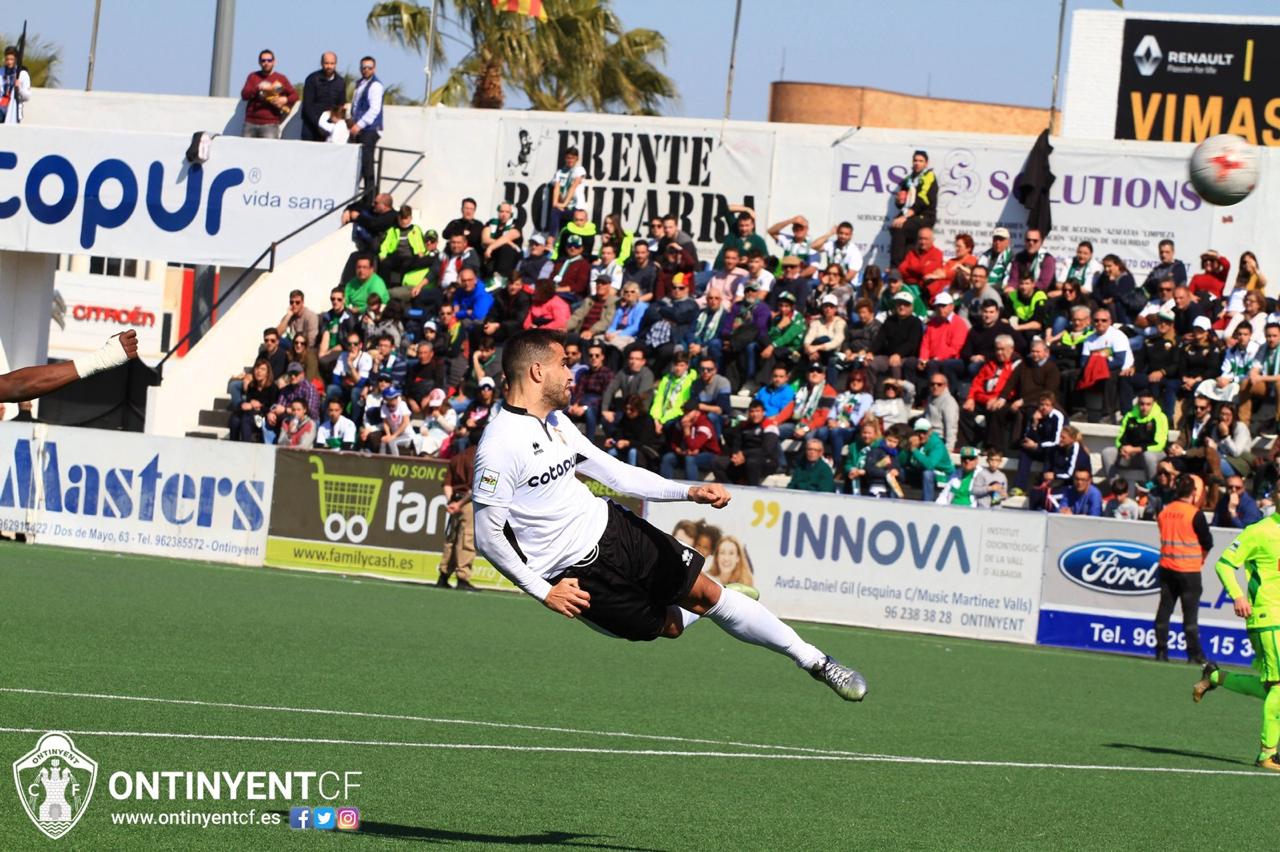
[348, 819]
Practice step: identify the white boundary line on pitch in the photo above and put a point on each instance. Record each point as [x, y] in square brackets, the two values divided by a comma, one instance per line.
[398, 717]
[806, 753]
[836, 758]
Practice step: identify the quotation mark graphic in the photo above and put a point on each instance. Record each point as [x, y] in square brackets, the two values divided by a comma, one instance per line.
[761, 508]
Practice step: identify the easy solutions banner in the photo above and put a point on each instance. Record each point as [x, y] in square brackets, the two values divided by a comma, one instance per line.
[123, 194]
[874, 563]
[1101, 589]
[131, 493]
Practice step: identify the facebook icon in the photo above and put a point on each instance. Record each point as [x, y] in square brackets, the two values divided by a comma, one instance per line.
[299, 817]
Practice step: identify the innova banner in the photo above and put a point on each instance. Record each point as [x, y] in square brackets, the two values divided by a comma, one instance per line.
[873, 563]
[122, 194]
[130, 493]
[1184, 81]
[1101, 589]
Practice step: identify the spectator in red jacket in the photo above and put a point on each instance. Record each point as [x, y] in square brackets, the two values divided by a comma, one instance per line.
[1212, 276]
[695, 445]
[944, 335]
[923, 266]
[988, 392]
[268, 97]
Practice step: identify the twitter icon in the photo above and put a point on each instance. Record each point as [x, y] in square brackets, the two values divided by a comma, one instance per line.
[324, 819]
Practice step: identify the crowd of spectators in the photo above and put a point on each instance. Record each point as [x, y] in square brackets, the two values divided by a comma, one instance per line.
[959, 377]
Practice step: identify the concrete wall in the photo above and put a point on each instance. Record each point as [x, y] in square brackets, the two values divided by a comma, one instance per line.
[191, 383]
[860, 106]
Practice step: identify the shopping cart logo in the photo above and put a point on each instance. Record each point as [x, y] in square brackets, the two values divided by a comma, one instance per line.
[347, 503]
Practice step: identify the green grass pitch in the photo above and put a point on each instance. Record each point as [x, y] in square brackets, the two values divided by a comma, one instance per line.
[701, 772]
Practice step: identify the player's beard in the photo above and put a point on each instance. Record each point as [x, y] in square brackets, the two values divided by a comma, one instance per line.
[557, 397]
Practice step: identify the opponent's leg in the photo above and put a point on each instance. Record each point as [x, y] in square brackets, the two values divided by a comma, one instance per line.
[1270, 729]
[749, 621]
[1244, 684]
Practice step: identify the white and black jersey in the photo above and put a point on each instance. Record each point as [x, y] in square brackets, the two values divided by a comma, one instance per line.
[534, 518]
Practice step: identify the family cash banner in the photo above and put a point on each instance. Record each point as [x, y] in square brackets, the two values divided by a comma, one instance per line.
[1101, 588]
[1124, 203]
[122, 194]
[133, 493]
[638, 169]
[873, 563]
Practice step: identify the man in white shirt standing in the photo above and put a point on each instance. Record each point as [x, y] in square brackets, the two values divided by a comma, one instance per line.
[842, 250]
[589, 557]
[568, 192]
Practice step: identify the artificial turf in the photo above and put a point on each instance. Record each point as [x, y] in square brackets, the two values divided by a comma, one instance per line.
[89, 622]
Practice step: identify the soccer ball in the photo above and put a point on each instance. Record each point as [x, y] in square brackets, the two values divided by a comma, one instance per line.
[1224, 169]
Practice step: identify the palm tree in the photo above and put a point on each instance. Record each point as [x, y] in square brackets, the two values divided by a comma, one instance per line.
[580, 56]
[40, 58]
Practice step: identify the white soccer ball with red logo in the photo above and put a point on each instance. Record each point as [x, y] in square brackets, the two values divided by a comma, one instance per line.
[1224, 169]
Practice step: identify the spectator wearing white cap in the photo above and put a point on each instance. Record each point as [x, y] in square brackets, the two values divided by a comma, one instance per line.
[999, 258]
[825, 333]
[438, 426]
[899, 338]
[536, 265]
[945, 334]
[925, 459]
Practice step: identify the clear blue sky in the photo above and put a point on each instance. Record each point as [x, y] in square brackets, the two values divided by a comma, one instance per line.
[1000, 50]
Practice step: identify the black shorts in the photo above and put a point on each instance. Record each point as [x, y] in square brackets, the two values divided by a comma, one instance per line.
[634, 574]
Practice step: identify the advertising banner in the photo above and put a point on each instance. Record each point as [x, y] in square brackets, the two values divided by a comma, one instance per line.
[636, 169]
[99, 306]
[1183, 81]
[122, 194]
[1101, 591]
[873, 563]
[130, 493]
[1123, 204]
[374, 515]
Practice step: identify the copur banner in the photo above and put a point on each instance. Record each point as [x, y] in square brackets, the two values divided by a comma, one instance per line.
[380, 516]
[123, 194]
[131, 493]
[873, 563]
[1101, 589]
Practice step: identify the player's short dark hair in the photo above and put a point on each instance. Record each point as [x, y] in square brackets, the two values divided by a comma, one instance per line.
[526, 348]
[1184, 486]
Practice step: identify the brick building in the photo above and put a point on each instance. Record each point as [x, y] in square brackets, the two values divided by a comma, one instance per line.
[861, 106]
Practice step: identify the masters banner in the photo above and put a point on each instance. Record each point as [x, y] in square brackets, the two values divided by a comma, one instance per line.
[874, 563]
[380, 516]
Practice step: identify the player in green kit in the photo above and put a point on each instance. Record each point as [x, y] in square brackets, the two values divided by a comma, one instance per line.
[1257, 551]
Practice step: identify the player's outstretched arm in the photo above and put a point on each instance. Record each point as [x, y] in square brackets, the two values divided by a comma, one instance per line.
[635, 481]
[32, 382]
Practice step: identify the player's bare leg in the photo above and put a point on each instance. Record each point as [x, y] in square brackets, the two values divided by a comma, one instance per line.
[749, 621]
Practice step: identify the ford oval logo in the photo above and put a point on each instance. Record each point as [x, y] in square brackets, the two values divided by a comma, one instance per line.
[1112, 567]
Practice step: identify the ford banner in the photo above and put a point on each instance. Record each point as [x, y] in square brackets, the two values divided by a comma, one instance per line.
[131, 493]
[875, 563]
[123, 194]
[1102, 586]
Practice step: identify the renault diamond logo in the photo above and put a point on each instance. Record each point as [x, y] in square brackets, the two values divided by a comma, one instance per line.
[1148, 55]
[55, 783]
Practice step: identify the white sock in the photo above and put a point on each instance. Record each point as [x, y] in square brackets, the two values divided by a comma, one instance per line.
[749, 621]
[687, 618]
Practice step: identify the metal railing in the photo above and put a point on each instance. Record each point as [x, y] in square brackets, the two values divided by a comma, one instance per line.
[269, 253]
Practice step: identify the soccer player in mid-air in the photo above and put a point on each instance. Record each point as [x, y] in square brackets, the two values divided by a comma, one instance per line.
[1257, 551]
[587, 557]
[32, 382]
